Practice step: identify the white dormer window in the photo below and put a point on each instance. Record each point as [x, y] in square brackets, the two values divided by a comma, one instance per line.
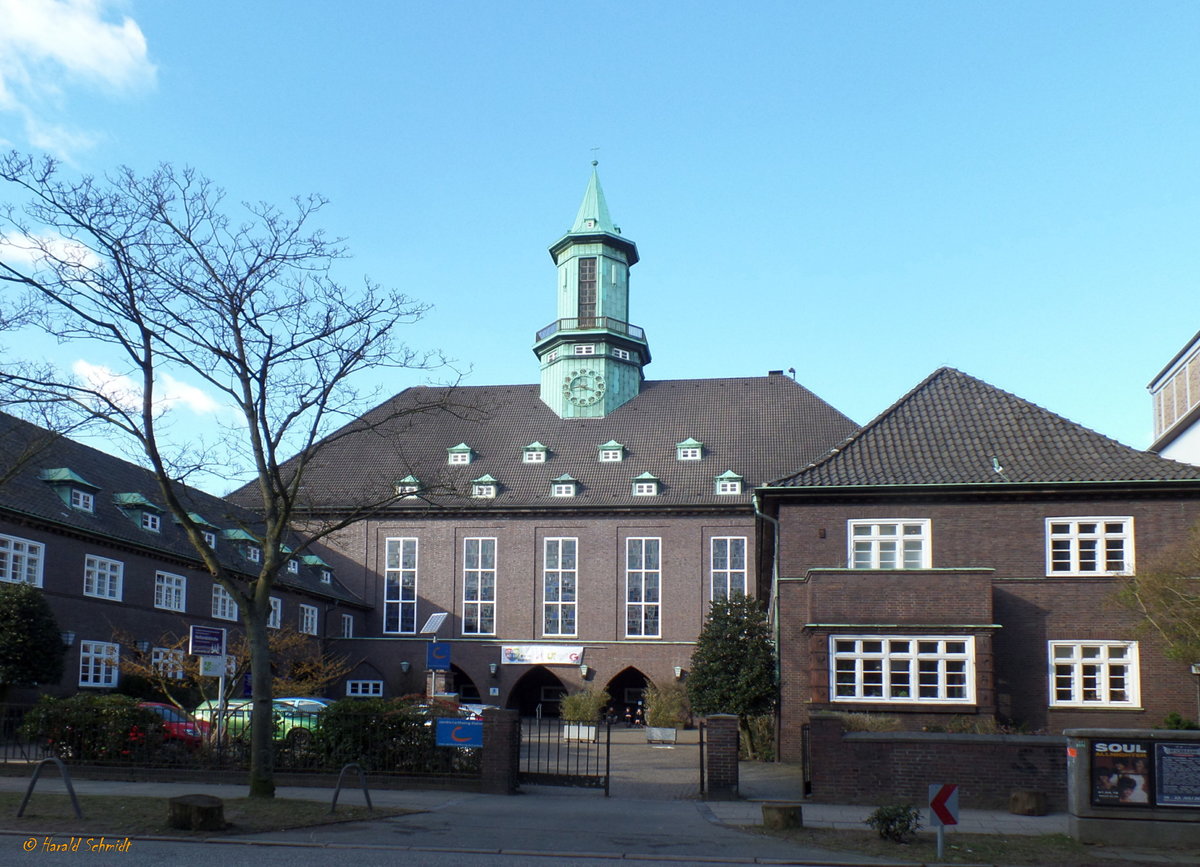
[612, 452]
[728, 482]
[622, 354]
[563, 486]
[326, 576]
[459, 454]
[484, 488]
[584, 349]
[645, 485]
[408, 487]
[254, 553]
[82, 500]
[294, 567]
[210, 539]
[151, 522]
[535, 453]
[688, 450]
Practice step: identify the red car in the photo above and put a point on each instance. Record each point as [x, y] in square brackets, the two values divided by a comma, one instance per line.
[180, 726]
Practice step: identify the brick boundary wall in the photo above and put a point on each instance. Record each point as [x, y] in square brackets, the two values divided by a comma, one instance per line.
[721, 759]
[501, 760]
[877, 768]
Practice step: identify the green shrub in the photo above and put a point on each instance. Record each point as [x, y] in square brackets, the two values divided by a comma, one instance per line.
[584, 706]
[95, 728]
[389, 736]
[666, 706]
[757, 743]
[1175, 720]
[897, 822]
[868, 722]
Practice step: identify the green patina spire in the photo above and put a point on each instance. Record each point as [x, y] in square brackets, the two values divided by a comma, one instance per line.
[593, 211]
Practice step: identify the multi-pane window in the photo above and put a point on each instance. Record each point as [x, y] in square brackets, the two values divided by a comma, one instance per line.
[535, 457]
[479, 586]
[1089, 546]
[347, 626]
[364, 688]
[223, 606]
[1094, 674]
[168, 662]
[563, 489]
[729, 486]
[275, 617]
[611, 455]
[728, 566]
[21, 560]
[294, 566]
[308, 619]
[483, 491]
[587, 291]
[584, 349]
[622, 354]
[170, 591]
[645, 489]
[889, 544]
[643, 587]
[97, 663]
[82, 500]
[687, 453]
[151, 522]
[559, 577]
[102, 577]
[210, 539]
[872, 668]
[400, 586]
[326, 576]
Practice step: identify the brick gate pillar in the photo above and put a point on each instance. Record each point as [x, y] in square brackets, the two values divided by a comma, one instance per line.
[721, 758]
[501, 760]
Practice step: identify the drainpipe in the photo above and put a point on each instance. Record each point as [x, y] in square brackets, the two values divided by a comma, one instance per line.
[773, 613]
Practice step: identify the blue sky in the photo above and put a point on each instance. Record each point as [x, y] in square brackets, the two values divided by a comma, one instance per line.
[861, 191]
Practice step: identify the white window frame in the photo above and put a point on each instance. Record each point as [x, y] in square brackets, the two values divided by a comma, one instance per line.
[308, 619]
[364, 689]
[1071, 545]
[82, 500]
[688, 453]
[102, 578]
[293, 566]
[254, 553]
[99, 663]
[168, 662]
[622, 354]
[483, 492]
[210, 539]
[21, 560]
[347, 626]
[458, 458]
[611, 456]
[585, 348]
[275, 617]
[645, 489]
[223, 605]
[729, 486]
[1089, 673]
[560, 585]
[726, 578]
[535, 456]
[563, 489]
[170, 591]
[326, 576]
[408, 492]
[887, 543]
[401, 578]
[552, 355]
[902, 669]
[479, 585]
[151, 522]
[643, 587]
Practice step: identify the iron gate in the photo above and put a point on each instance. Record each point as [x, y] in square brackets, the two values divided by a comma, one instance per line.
[558, 753]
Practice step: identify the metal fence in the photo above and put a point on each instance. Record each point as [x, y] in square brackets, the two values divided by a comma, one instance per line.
[559, 753]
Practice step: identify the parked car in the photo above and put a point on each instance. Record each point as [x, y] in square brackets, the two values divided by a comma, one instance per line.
[296, 718]
[180, 726]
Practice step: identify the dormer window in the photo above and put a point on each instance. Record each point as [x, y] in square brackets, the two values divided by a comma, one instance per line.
[151, 522]
[645, 485]
[75, 491]
[728, 482]
[484, 488]
[210, 539]
[139, 509]
[563, 486]
[688, 450]
[253, 553]
[459, 454]
[408, 487]
[317, 563]
[294, 566]
[246, 543]
[535, 453]
[612, 452]
[82, 500]
[326, 576]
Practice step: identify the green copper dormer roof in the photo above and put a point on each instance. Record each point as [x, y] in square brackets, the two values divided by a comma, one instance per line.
[238, 536]
[135, 501]
[612, 444]
[65, 476]
[565, 477]
[535, 447]
[313, 560]
[593, 224]
[198, 520]
[485, 479]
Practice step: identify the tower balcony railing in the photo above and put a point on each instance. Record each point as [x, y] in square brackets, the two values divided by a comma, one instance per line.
[592, 323]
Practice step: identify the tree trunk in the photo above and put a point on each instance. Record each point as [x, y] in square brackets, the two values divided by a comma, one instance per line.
[262, 716]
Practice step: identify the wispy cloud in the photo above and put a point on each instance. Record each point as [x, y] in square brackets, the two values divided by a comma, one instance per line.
[127, 393]
[28, 250]
[49, 47]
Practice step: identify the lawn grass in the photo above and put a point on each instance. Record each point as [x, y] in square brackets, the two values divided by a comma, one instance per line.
[1014, 849]
[144, 816]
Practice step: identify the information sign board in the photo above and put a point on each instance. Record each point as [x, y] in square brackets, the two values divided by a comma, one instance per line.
[206, 641]
[460, 732]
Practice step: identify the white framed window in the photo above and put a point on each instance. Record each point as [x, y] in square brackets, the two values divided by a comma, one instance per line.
[729, 486]
[82, 500]
[275, 617]
[889, 544]
[563, 489]
[459, 454]
[21, 560]
[400, 586]
[364, 688]
[535, 456]
[326, 576]
[98, 663]
[254, 553]
[308, 619]
[611, 455]
[483, 491]
[170, 591]
[347, 626]
[559, 585]
[102, 577]
[210, 539]
[931, 669]
[479, 586]
[643, 587]
[584, 349]
[552, 355]
[728, 569]
[1089, 546]
[223, 606]
[168, 662]
[645, 488]
[687, 453]
[294, 566]
[151, 522]
[409, 492]
[622, 354]
[1094, 674]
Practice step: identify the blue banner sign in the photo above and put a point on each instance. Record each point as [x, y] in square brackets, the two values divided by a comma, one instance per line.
[437, 656]
[460, 732]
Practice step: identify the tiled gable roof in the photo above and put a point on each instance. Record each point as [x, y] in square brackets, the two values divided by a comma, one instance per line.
[25, 494]
[953, 429]
[757, 426]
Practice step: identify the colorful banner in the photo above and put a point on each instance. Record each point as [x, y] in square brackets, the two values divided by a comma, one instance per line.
[1120, 773]
[540, 654]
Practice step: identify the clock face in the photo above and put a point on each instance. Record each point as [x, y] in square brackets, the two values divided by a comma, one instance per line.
[583, 387]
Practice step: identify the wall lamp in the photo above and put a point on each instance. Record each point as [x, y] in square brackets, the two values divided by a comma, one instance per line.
[405, 665]
[493, 668]
[68, 638]
[679, 672]
[583, 671]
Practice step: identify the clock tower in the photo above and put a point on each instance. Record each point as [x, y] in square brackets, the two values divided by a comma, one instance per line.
[591, 356]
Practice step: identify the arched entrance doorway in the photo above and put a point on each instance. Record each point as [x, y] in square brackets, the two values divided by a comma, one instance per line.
[625, 689]
[468, 692]
[537, 693]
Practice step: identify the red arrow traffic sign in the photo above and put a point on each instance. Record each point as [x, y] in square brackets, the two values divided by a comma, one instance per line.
[943, 804]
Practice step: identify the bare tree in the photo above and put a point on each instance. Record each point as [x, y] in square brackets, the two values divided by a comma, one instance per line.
[154, 268]
[1166, 596]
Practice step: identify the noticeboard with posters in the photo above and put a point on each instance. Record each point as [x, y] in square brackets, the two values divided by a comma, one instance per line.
[1177, 774]
[1121, 773]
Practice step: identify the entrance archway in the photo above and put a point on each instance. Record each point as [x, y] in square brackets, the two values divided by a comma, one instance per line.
[537, 692]
[468, 692]
[625, 690]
